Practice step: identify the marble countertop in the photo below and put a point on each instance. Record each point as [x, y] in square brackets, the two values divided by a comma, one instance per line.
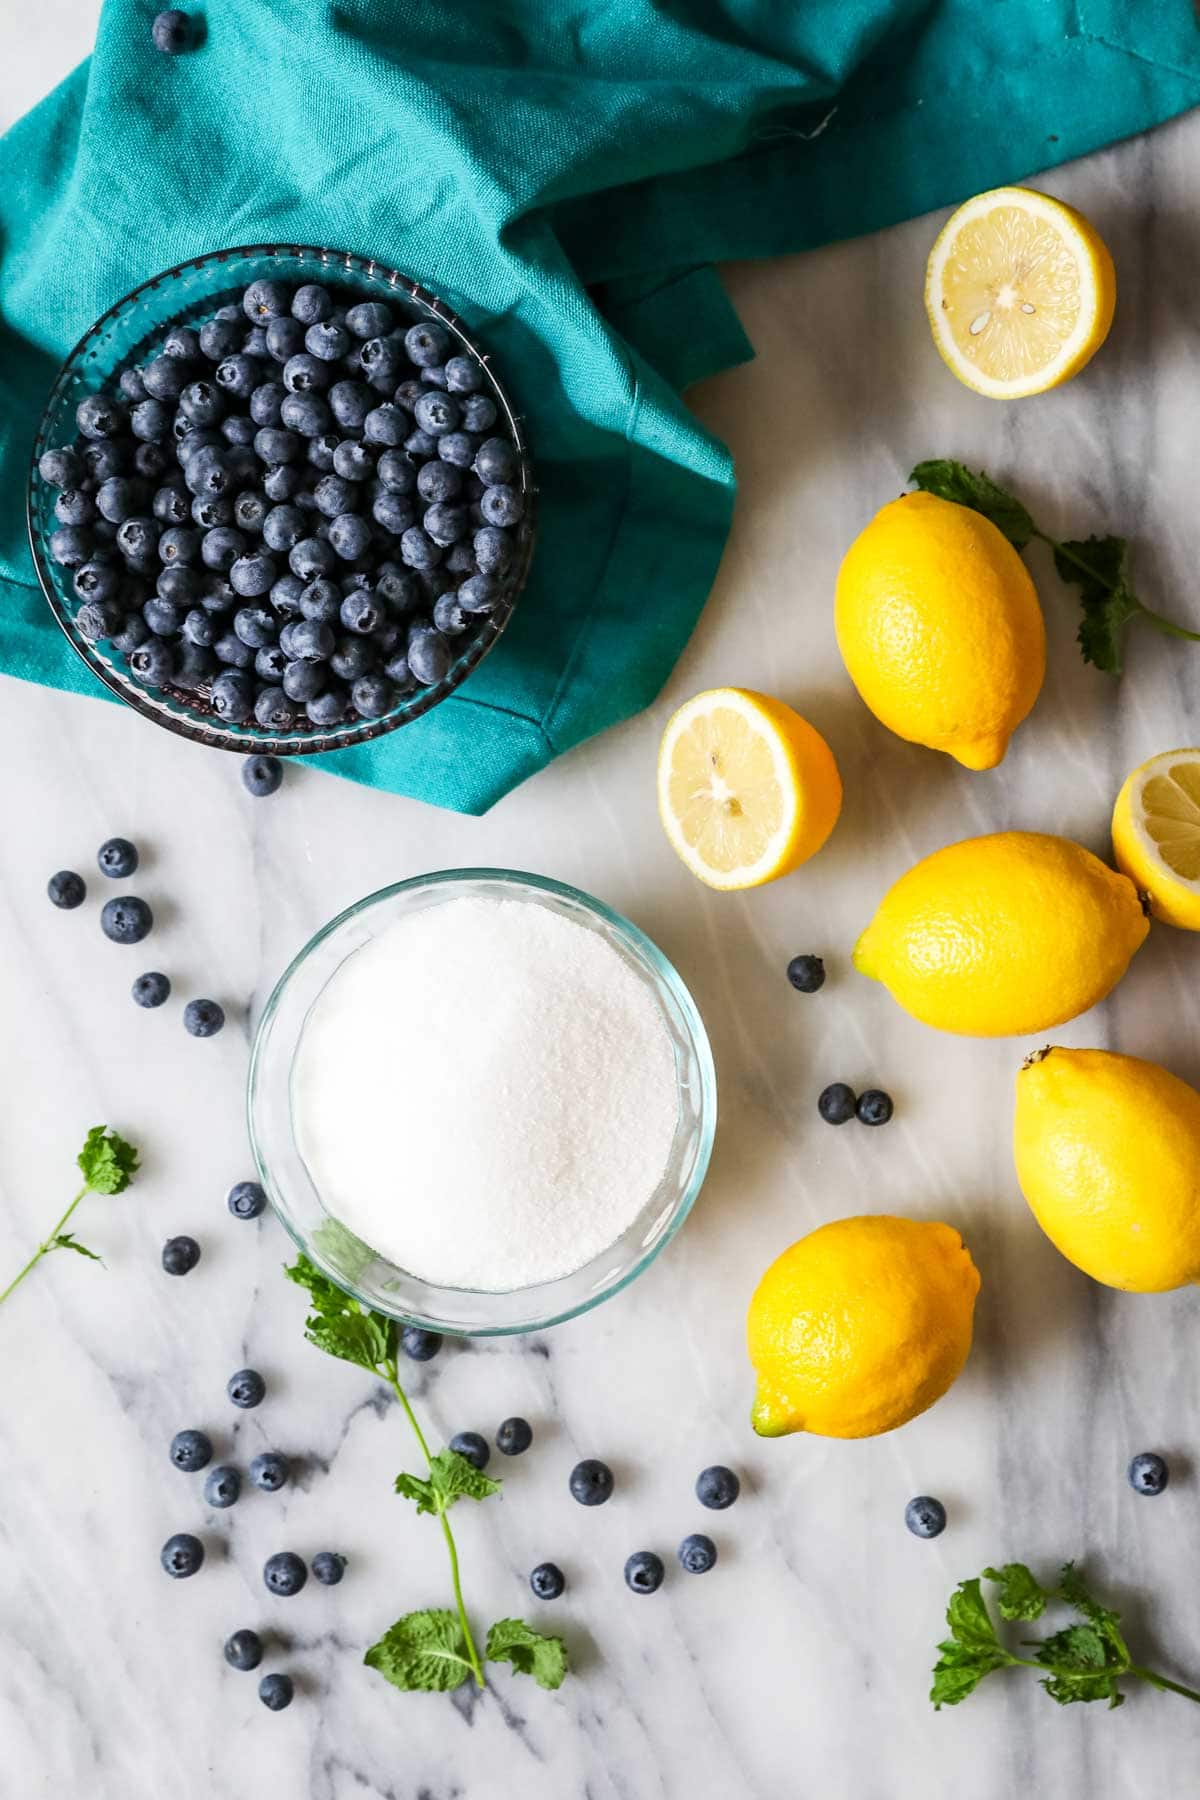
[800, 1666]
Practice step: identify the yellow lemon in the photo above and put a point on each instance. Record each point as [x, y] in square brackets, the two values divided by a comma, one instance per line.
[1108, 1156]
[940, 628]
[1020, 291]
[747, 789]
[1001, 935]
[1156, 835]
[860, 1326]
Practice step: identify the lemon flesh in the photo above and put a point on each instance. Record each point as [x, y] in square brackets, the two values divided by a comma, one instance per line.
[860, 1326]
[940, 629]
[1001, 935]
[1156, 835]
[1107, 1149]
[747, 789]
[1020, 291]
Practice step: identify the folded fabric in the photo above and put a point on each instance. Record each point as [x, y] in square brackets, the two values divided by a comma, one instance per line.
[564, 173]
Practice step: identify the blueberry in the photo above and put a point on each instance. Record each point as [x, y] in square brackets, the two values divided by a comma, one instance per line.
[261, 775]
[194, 667]
[138, 542]
[644, 1572]
[200, 628]
[285, 337]
[275, 444]
[321, 600]
[369, 319]
[276, 1691]
[302, 681]
[250, 576]
[311, 303]
[203, 1018]
[246, 1200]
[420, 1345]
[547, 1581]
[479, 593]
[212, 511]
[478, 412]
[429, 655]
[219, 338]
[266, 300]
[501, 504]
[426, 344]
[320, 456]
[255, 625]
[180, 1255]
[69, 546]
[874, 1107]
[925, 1516]
[74, 507]
[239, 428]
[282, 481]
[61, 468]
[463, 374]
[244, 1649]
[311, 557]
[239, 375]
[311, 640]
[182, 1555]
[456, 449]
[328, 1566]
[493, 549]
[102, 459]
[717, 1487]
[496, 462]
[126, 920]
[66, 889]
[163, 617]
[448, 616]
[118, 498]
[421, 443]
[246, 1388]
[329, 706]
[394, 512]
[397, 472]
[269, 1470]
[353, 461]
[98, 620]
[306, 413]
[200, 401]
[350, 402]
[445, 525]
[361, 612]
[266, 404]
[151, 420]
[171, 32]
[131, 384]
[96, 581]
[697, 1553]
[354, 657]
[153, 664]
[283, 527]
[386, 424]
[806, 973]
[1148, 1473]
[117, 858]
[327, 340]
[99, 416]
[284, 1573]
[232, 696]
[383, 363]
[151, 989]
[438, 481]
[190, 1451]
[132, 635]
[418, 549]
[397, 587]
[371, 696]
[306, 374]
[591, 1482]
[250, 510]
[437, 413]
[836, 1103]
[514, 1437]
[476, 1449]
[434, 375]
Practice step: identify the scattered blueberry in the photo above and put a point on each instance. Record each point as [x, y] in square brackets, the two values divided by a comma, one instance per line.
[191, 1450]
[644, 1572]
[1148, 1473]
[328, 1567]
[591, 1482]
[837, 1103]
[182, 1555]
[717, 1487]
[222, 1487]
[874, 1107]
[203, 1018]
[514, 1437]
[261, 775]
[284, 1573]
[418, 1344]
[151, 989]
[925, 1516]
[276, 1691]
[246, 1200]
[180, 1255]
[269, 1470]
[547, 1581]
[246, 1388]
[66, 889]
[806, 973]
[117, 858]
[126, 920]
[243, 1650]
[476, 1449]
[171, 32]
[697, 1553]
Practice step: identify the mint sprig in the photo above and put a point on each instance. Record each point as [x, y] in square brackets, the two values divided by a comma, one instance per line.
[1085, 1660]
[108, 1164]
[433, 1650]
[1097, 566]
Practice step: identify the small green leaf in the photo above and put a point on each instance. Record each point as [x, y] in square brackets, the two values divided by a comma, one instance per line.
[1076, 1647]
[108, 1164]
[66, 1240]
[339, 1325]
[545, 1658]
[968, 1617]
[454, 1478]
[1099, 568]
[1067, 1688]
[423, 1652]
[1020, 1596]
[413, 1487]
[958, 1672]
[951, 480]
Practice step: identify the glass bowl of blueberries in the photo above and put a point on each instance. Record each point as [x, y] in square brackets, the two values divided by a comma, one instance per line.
[279, 501]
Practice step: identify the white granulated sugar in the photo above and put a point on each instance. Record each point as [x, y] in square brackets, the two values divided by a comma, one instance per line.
[485, 1094]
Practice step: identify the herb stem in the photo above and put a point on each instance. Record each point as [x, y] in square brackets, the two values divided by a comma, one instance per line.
[393, 1376]
[43, 1247]
[1161, 1681]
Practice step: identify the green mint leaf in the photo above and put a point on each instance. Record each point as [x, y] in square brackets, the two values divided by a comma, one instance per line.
[959, 1670]
[424, 1652]
[66, 1240]
[1020, 1596]
[413, 1487]
[1068, 1688]
[1075, 1592]
[1099, 568]
[545, 1658]
[339, 1325]
[951, 480]
[454, 1478]
[1078, 1647]
[108, 1164]
[968, 1617]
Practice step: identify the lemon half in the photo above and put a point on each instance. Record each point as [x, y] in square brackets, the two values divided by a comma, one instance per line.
[1020, 291]
[747, 789]
[1156, 835]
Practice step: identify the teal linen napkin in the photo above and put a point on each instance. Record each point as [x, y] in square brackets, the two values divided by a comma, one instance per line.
[564, 173]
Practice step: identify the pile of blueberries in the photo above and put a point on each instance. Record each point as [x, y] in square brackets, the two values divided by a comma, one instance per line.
[298, 509]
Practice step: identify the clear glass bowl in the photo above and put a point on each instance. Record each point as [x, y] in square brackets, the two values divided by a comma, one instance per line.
[371, 1278]
[126, 334]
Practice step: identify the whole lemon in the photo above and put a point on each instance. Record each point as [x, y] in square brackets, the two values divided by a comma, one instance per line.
[1005, 934]
[860, 1326]
[939, 626]
[1107, 1150]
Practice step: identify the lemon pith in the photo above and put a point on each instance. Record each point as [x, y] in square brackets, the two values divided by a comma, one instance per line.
[1020, 291]
[747, 789]
[860, 1326]
[1107, 1151]
[1156, 835]
[1005, 934]
[940, 629]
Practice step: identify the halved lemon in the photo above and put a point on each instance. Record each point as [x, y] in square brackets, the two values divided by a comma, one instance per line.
[1020, 291]
[1156, 835]
[747, 789]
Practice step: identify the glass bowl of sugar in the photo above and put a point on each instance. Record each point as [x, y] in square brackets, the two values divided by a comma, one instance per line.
[481, 1101]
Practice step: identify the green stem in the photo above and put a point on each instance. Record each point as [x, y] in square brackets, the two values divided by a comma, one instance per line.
[1168, 627]
[43, 1247]
[393, 1376]
[1160, 1681]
